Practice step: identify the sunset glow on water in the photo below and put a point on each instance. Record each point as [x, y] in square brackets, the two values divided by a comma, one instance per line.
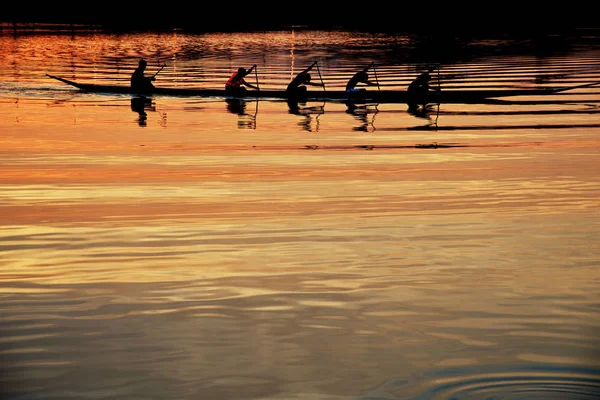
[195, 250]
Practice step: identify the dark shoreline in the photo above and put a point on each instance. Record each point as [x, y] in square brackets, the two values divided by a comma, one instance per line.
[125, 26]
[436, 20]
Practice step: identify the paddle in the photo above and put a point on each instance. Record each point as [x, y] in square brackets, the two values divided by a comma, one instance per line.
[319, 71]
[256, 74]
[249, 71]
[375, 72]
[161, 68]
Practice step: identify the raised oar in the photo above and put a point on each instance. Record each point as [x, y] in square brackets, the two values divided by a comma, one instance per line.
[256, 74]
[375, 72]
[319, 71]
[249, 71]
[161, 68]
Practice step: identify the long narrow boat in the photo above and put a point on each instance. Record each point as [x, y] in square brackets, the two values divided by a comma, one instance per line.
[378, 96]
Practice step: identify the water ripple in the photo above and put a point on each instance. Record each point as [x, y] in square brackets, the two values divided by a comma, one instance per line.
[533, 383]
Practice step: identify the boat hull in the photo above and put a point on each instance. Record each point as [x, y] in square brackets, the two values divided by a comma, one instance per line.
[376, 96]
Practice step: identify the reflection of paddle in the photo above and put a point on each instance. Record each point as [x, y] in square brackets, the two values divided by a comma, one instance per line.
[574, 87]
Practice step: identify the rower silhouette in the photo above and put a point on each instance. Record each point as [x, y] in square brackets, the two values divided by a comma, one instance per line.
[139, 82]
[297, 88]
[236, 84]
[420, 92]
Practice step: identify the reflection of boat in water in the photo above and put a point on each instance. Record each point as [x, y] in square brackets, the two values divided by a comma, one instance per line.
[375, 96]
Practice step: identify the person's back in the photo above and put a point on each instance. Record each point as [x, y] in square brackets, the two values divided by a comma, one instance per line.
[296, 86]
[359, 77]
[419, 89]
[420, 84]
[236, 80]
[139, 82]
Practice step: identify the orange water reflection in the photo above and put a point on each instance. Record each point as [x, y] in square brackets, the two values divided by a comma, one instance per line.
[185, 253]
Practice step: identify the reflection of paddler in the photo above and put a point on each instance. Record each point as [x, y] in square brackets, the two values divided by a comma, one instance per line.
[419, 111]
[361, 110]
[141, 104]
[236, 106]
[294, 106]
[299, 108]
[352, 107]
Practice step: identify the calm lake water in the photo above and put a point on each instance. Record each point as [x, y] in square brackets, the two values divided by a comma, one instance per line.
[194, 248]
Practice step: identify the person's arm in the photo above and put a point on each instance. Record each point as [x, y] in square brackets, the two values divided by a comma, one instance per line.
[309, 68]
[298, 80]
[368, 82]
[432, 88]
[313, 83]
[243, 81]
[251, 69]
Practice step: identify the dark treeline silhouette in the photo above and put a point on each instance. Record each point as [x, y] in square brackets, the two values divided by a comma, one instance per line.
[411, 18]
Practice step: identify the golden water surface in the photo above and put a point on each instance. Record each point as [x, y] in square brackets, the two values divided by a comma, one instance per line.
[189, 249]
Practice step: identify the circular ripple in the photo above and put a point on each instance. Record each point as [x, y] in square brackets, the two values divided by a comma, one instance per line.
[578, 384]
